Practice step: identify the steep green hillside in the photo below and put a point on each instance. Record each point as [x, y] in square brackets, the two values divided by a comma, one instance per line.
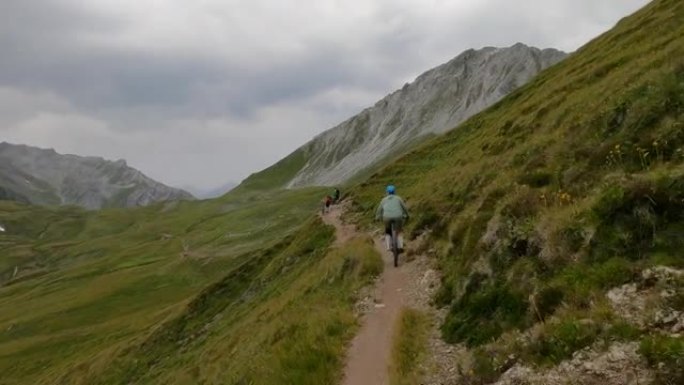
[282, 317]
[276, 176]
[78, 285]
[568, 187]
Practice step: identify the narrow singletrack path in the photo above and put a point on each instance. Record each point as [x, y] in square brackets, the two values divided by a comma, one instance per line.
[369, 355]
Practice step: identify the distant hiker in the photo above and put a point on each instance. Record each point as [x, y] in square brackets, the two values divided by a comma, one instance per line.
[336, 196]
[327, 201]
[392, 208]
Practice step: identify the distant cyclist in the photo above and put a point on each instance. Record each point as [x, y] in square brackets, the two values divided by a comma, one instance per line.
[336, 196]
[392, 208]
[327, 201]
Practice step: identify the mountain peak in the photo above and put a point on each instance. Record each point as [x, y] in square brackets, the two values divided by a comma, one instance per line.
[43, 176]
[435, 102]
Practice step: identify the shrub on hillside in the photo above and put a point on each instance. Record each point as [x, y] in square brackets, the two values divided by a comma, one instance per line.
[482, 316]
[666, 355]
[629, 216]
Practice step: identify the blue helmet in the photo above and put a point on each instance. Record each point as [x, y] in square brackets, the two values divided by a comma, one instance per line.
[390, 189]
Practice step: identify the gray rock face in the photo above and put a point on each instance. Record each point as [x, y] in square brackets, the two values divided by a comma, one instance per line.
[39, 176]
[435, 102]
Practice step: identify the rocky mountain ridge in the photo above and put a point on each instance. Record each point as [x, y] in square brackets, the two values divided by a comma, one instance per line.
[42, 176]
[437, 101]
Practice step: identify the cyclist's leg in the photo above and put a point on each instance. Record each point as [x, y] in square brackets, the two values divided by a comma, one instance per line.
[399, 225]
[388, 234]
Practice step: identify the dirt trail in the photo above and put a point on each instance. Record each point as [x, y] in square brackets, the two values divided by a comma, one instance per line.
[343, 231]
[369, 355]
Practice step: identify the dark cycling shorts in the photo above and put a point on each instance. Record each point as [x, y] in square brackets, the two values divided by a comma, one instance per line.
[398, 225]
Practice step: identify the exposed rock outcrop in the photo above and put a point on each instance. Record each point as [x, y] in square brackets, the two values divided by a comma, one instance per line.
[435, 102]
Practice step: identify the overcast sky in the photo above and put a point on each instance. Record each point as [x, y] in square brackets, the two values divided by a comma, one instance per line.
[199, 93]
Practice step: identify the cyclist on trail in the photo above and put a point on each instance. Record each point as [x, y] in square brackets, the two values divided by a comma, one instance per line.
[336, 196]
[327, 201]
[392, 208]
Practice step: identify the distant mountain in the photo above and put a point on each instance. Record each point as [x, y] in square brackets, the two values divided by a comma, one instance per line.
[435, 102]
[39, 176]
[210, 193]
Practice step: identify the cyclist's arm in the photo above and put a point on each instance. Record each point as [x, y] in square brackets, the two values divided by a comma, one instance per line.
[378, 212]
[403, 207]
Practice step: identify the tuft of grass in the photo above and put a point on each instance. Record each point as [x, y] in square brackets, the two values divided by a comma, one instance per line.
[361, 260]
[630, 214]
[623, 331]
[560, 340]
[481, 316]
[409, 348]
[666, 356]
[536, 179]
[581, 283]
[484, 368]
[547, 301]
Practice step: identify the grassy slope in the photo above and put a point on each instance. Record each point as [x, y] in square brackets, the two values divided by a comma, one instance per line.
[242, 289]
[283, 317]
[567, 187]
[91, 281]
[276, 176]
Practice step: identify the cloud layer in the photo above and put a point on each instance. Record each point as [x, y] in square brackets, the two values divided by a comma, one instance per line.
[198, 93]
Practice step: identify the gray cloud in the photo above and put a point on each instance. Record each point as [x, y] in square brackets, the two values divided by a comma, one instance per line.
[200, 93]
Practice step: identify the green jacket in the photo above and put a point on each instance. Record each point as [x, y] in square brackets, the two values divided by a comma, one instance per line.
[392, 207]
